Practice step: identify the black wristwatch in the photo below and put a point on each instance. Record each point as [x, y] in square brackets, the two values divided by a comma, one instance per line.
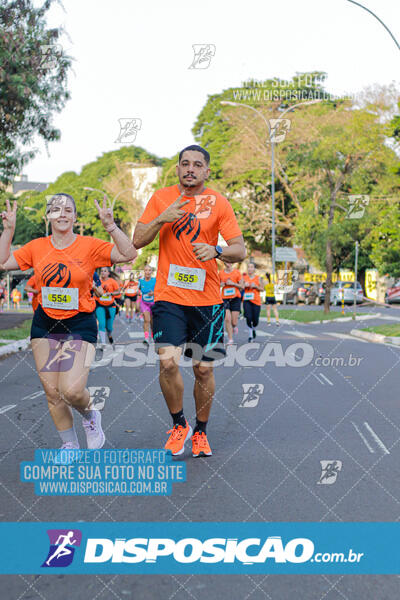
[218, 250]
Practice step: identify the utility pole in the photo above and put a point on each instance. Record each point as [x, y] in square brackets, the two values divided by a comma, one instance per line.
[355, 281]
[81, 226]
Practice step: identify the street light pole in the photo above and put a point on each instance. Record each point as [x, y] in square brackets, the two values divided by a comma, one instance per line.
[271, 133]
[273, 208]
[355, 281]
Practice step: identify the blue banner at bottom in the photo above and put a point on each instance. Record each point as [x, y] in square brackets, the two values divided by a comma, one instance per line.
[199, 548]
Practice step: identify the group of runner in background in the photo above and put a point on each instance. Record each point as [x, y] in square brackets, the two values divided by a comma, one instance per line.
[240, 294]
[136, 295]
[239, 289]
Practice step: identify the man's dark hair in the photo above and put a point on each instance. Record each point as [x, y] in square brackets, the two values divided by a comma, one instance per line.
[197, 149]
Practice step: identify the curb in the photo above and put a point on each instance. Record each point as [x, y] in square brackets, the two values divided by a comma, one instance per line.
[338, 320]
[15, 346]
[378, 338]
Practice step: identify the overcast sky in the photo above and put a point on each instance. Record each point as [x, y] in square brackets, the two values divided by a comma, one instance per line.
[132, 59]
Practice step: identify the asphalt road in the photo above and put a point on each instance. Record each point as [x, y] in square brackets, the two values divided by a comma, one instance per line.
[341, 405]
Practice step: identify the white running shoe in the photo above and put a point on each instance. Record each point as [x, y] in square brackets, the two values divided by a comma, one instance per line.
[95, 437]
[67, 454]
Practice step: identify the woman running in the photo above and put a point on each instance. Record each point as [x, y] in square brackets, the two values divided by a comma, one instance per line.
[3, 291]
[270, 299]
[231, 284]
[131, 288]
[16, 297]
[106, 307]
[32, 287]
[147, 285]
[64, 329]
[251, 299]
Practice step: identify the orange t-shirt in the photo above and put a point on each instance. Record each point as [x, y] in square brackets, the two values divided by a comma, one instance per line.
[32, 282]
[253, 295]
[71, 267]
[16, 295]
[228, 291]
[109, 285]
[181, 277]
[131, 288]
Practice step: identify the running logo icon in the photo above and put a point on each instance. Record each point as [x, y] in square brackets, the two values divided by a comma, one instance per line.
[98, 397]
[128, 129]
[279, 129]
[203, 54]
[188, 223]
[330, 471]
[357, 204]
[61, 354]
[62, 547]
[204, 204]
[251, 394]
[56, 273]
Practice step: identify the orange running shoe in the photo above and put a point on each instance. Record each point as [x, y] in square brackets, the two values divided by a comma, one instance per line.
[177, 439]
[200, 445]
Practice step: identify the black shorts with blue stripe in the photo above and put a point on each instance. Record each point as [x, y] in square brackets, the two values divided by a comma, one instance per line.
[199, 328]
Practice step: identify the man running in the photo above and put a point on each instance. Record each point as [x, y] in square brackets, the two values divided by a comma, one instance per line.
[231, 285]
[188, 307]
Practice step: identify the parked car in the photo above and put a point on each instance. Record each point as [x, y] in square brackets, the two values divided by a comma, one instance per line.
[316, 294]
[298, 293]
[346, 289]
[393, 293]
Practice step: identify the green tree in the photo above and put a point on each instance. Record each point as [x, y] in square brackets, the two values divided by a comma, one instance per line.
[111, 173]
[347, 153]
[33, 79]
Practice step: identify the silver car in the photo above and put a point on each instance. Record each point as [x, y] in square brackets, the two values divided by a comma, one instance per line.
[345, 290]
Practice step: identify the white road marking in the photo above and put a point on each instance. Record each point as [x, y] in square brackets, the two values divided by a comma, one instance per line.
[263, 334]
[364, 439]
[345, 336]
[34, 395]
[299, 334]
[376, 438]
[136, 335]
[4, 409]
[326, 379]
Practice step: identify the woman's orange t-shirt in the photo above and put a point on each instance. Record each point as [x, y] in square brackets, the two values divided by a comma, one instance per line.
[133, 288]
[71, 267]
[34, 284]
[228, 292]
[252, 294]
[109, 285]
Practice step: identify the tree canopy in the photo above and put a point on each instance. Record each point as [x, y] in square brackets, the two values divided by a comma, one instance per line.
[33, 82]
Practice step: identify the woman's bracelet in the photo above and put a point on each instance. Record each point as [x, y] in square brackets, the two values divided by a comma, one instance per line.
[111, 227]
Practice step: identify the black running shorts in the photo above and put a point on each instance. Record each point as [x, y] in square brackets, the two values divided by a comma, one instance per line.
[201, 328]
[82, 326]
[232, 304]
